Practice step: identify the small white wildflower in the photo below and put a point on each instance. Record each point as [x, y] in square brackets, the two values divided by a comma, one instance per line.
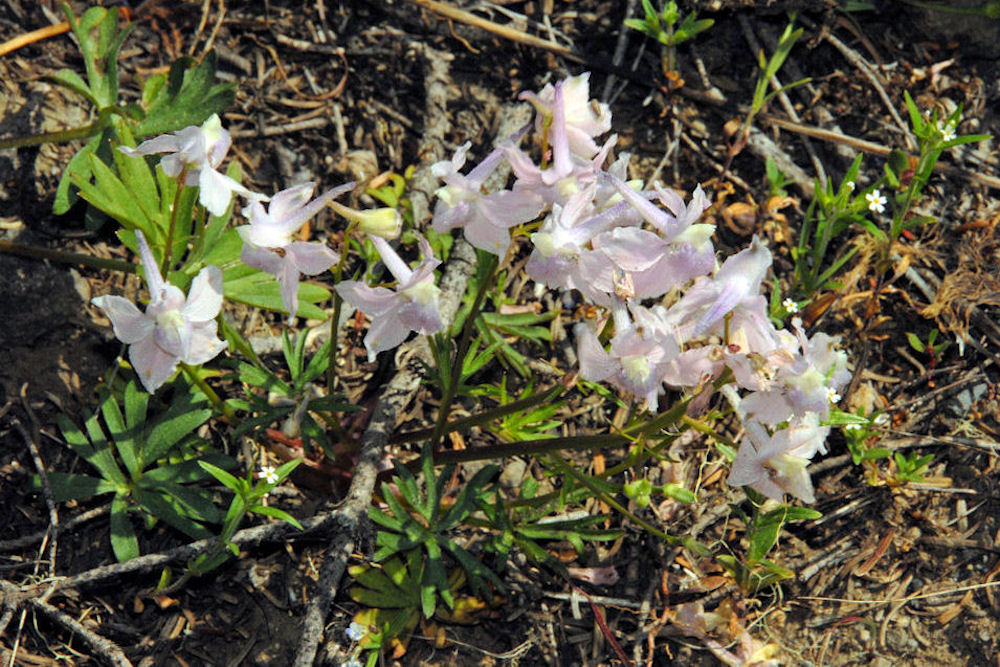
[849, 185]
[355, 632]
[790, 306]
[832, 395]
[947, 130]
[853, 427]
[876, 201]
[268, 474]
[882, 419]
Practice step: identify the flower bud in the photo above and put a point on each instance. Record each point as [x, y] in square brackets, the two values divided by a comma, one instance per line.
[384, 222]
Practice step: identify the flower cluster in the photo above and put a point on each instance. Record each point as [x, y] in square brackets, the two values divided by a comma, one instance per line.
[622, 247]
[678, 318]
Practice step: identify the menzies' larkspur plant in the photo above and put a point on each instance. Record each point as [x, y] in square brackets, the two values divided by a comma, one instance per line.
[174, 328]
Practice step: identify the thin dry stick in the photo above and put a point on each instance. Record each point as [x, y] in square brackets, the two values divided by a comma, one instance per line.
[620, 45]
[64, 526]
[855, 58]
[334, 520]
[875, 149]
[104, 648]
[786, 103]
[215, 29]
[506, 32]
[206, 5]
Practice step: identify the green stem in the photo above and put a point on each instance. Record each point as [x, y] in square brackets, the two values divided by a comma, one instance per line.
[64, 257]
[54, 137]
[448, 393]
[600, 493]
[220, 405]
[168, 250]
[483, 417]
[578, 442]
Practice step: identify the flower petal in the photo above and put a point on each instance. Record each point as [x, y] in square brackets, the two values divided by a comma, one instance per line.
[385, 333]
[153, 365]
[371, 301]
[487, 236]
[204, 301]
[288, 277]
[310, 258]
[216, 191]
[203, 345]
[129, 324]
[288, 201]
[260, 258]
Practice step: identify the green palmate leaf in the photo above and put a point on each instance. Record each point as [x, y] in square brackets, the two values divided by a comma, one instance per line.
[111, 196]
[124, 438]
[370, 598]
[262, 290]
[188, 96]
[77, 169]
[385, 520]
[136, 402]
[190, 471]
[374, 579]
[478, 572]
[171, 430]
[434, 581]
[99, 38]
[170, 511]
[196, 503]
[123, 540]
[101, 456]
[68, 486]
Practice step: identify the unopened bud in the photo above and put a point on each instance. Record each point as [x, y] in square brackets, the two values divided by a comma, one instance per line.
[384, 222]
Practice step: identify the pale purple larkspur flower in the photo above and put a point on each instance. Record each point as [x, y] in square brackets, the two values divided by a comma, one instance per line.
[565, 237]
[269, 245]
[638, 356]
[584, 118]
[567, 173]
[174, 328]
[736, 284]
[672, 226]
[201, 150]
[653, 262]
[807, 384]
[485, 219]
[412, 306]
[775, 463]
